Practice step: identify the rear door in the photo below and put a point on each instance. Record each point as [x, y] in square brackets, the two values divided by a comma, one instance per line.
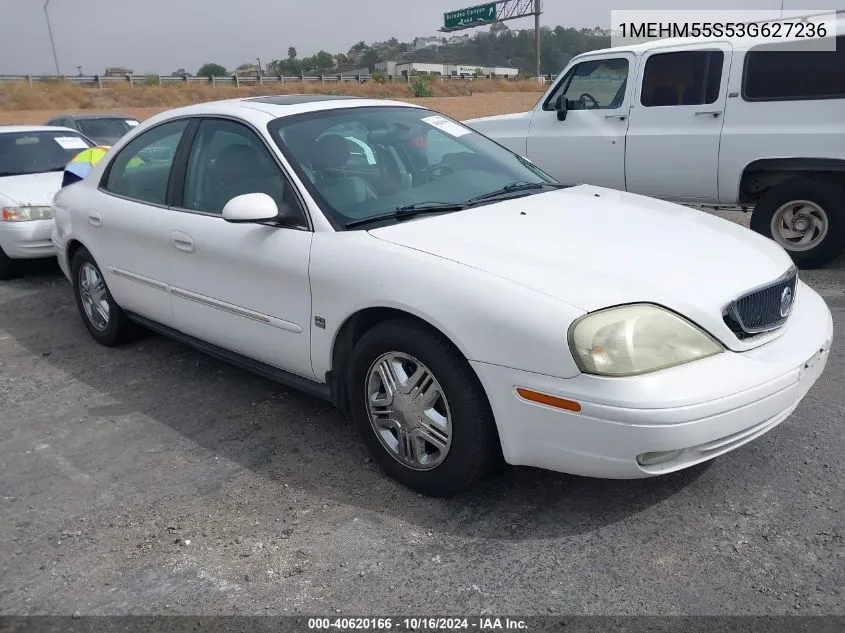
[672, 149]
[125, 226]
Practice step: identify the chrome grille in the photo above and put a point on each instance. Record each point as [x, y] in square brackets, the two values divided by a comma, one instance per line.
[764, 309]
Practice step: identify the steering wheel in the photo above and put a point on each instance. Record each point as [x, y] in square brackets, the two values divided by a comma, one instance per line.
[440, 168]
[584, 98]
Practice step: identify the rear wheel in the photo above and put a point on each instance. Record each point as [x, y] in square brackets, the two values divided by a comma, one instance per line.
[420, 409]
[9, 268]
[806, 217]
[104, 319]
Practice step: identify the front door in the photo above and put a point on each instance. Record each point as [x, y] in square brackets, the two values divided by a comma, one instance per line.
[242, 287]
[676, 123]
[589, 145]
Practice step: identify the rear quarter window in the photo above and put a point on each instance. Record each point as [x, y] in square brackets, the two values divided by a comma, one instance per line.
[772, 73]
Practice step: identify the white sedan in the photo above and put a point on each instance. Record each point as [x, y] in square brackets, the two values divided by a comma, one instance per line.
[460, 303]
[32, 159]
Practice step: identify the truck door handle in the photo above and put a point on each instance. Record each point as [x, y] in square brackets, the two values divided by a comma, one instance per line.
[713, 113]
[182, 241]
[94, 219]
[621, 117]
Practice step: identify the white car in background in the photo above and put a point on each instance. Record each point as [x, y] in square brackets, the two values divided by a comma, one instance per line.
[32, 159]
[459, 302]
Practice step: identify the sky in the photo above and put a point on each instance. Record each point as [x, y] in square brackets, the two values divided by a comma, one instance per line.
[163, 35]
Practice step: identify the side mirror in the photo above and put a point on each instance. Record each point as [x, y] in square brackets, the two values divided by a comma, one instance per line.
[561, 107]
[251, 207]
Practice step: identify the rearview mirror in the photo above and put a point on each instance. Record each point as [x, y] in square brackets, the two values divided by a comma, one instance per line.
[251, 207]
[561, 107]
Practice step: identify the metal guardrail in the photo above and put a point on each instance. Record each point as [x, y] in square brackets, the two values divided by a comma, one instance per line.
[102, 81]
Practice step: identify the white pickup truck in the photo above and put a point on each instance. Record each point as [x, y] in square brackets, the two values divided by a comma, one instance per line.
[710, 123]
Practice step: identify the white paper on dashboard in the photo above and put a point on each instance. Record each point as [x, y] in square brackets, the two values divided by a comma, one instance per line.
[445, 125]
[70, 142]
[131, 123]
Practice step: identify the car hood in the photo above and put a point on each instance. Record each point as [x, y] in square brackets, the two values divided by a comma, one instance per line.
[592, 248]
[31, 189]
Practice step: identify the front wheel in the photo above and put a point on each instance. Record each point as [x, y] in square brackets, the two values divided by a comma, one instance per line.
[806, 217]
[420, 409]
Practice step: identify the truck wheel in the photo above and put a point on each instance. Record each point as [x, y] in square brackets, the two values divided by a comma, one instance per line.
[421, 410]
[9, 268]
[806, 216]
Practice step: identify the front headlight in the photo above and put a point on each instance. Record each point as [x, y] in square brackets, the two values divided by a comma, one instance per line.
[26, 214]
[636, 339]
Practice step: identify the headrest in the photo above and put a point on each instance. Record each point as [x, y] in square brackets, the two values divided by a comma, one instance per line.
[236, 160]
[330, 151]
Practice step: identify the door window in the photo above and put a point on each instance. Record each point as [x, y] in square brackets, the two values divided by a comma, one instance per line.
[593, 85]
[682, 78]
[228, 159]
[141, 170]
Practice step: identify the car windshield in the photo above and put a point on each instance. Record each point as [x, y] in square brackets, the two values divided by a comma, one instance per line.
[103, 128]
[365, 163]
[37, 152]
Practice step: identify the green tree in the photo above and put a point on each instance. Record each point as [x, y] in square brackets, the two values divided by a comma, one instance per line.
[291, 52]
[212, 70]
[323, 61]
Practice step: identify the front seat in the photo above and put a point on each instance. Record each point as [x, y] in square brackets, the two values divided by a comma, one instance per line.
[664, 96]
[329, 155]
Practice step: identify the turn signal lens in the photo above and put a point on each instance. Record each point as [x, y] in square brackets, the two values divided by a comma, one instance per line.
[551, 401]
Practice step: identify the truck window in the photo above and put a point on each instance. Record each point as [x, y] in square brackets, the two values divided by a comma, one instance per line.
[593, 85]
[682, 78]
[774, 74]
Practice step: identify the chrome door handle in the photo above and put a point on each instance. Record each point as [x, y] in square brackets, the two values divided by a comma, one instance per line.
[713, 113]
[182, 241]
[621, 117]
[94, 219]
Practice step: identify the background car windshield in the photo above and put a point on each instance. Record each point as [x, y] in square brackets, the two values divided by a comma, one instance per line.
[104, 128]
[363, 162]
[36, 152]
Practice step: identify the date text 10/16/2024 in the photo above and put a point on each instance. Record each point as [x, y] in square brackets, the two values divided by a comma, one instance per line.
[484, 623]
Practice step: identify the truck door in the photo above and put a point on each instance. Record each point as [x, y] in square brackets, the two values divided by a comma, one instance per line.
[672, 148]
[589, 145]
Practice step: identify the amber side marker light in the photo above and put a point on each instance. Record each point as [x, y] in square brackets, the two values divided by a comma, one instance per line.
[551, 401]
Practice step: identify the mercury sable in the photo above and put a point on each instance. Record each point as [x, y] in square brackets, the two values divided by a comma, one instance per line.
[460, 303]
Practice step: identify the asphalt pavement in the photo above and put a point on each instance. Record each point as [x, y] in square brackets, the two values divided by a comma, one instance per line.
[151, 479]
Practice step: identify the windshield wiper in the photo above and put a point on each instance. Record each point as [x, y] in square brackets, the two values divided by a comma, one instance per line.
[409, 211]
[514, 187]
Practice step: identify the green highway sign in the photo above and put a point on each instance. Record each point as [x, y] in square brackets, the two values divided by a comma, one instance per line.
[471, 16]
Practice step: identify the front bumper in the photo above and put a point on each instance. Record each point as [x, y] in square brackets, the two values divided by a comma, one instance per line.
[691, 413]
[27, 240]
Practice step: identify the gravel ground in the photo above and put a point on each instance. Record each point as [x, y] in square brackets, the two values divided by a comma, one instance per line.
[152, 479]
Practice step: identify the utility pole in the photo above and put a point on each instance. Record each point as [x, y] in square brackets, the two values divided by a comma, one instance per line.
[53, 44]
[537, 34]
[258, 59]
[79, 71]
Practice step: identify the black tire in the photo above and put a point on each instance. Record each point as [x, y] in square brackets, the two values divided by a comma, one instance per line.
[475, 448]
[119, 328]
[829, 196]
[9, 268]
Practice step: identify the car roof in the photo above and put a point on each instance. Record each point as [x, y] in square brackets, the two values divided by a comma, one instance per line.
[298, 98]
[4, 129]
[279, 105]
[86, 117]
